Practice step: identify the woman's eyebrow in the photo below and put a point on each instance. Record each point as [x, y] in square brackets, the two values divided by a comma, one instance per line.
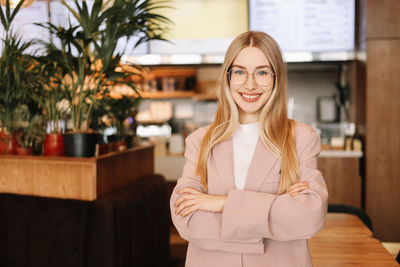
[258, 67]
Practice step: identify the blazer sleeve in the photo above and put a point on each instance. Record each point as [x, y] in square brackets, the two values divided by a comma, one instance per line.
[203, 228]
[281, 217]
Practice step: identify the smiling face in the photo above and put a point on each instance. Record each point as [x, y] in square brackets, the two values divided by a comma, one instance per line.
[251, 95]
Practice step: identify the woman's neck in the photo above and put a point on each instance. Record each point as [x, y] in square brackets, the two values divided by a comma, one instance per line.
[247, 118]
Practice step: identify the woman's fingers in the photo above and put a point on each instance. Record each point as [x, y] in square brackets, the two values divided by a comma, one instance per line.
[189, 190]
[186, 193]
[298, 190]
[189, 210]
[185, 197]
[298, 187]
[299, 184]
[185, 204]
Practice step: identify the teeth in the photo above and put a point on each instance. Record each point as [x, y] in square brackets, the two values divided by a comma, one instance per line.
[250, 96]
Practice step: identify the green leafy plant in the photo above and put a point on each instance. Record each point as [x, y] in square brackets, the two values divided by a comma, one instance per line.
[86, 57]
[55, 107]
[31, 128]
[17, 75]
[120, 108]
[51, 95]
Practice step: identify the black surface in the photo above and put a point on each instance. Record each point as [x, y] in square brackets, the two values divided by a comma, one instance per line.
[352, 210]
[129, 227]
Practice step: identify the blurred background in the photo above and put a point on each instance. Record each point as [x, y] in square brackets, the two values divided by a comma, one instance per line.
[343, 64]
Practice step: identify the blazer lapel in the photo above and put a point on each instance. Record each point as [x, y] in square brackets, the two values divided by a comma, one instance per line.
[223, 159]
[262, 163]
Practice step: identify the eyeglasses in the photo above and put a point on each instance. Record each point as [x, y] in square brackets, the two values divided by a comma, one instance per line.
[262, 76]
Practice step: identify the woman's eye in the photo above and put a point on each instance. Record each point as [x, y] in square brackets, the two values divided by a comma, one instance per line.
[239, 72]
[262, 73]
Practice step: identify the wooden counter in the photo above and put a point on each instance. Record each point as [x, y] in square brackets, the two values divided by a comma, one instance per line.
[74, 178]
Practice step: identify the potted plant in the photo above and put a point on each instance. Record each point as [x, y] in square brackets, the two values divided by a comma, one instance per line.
[31, 130]
[119, 108]
[54, 105]
[51, 97]
[88, 58]
[17, 79]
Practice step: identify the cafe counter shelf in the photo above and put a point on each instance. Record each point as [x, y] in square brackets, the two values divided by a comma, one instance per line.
[340, 154]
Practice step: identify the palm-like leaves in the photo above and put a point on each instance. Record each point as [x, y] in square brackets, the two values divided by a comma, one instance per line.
[94, 42]
[17, 78]
[8, 17]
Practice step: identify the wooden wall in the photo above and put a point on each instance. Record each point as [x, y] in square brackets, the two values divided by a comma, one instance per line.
[382, 184]
[342, 179]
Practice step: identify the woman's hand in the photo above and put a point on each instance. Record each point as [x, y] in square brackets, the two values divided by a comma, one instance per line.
[298, 187]
[192, 200]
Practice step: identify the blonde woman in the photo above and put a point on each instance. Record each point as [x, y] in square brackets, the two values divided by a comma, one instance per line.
[250, 193]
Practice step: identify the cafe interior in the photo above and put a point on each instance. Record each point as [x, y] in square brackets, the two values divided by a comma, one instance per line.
[97, 98]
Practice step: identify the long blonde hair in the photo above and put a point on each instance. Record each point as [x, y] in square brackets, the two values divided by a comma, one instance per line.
[276, 130]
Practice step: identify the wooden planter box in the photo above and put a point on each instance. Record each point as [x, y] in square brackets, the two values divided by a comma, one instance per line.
[74, 178]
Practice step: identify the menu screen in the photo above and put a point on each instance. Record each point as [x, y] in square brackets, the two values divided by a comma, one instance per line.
[306, 25]
[202, 26]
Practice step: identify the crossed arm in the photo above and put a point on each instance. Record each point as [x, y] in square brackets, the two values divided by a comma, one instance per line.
[191, 199]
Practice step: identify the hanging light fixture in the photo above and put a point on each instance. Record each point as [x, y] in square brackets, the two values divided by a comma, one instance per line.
[14, 3]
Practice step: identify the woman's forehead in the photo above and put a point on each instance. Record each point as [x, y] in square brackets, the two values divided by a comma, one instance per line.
[251, 57]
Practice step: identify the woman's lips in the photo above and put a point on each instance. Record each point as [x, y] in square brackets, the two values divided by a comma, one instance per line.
[250, 97]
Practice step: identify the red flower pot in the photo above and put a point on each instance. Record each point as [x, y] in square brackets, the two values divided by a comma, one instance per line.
[54, 145]
[8, 143]
[120, 146]
[24, 151]
[103, 149]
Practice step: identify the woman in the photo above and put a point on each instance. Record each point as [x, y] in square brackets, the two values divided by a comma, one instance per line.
[250, 193]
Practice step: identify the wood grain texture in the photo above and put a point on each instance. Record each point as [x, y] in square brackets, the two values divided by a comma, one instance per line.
[383, 138]
[358, 95]
[53, 177]
[74, 178]
[346, 241]
[118, 169]
[383, 19]
[342, 179]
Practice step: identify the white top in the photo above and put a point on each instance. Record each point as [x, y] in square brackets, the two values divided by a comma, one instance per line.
[244, 144]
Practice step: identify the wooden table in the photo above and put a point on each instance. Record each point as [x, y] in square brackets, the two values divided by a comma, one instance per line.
[346, 241]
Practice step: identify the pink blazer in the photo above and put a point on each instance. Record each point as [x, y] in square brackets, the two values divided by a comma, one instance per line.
[257, 227]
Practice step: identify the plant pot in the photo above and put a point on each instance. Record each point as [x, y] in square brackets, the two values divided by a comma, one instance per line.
[54, 145]
[120, 146]
[80, 144]
[120, 142]
[129, 140]
[24, 151]
[8, 143]
[103, 148]
[114, 138]
[112, 141]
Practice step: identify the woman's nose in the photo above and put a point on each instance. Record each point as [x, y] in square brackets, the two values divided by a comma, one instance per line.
[250, 83]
